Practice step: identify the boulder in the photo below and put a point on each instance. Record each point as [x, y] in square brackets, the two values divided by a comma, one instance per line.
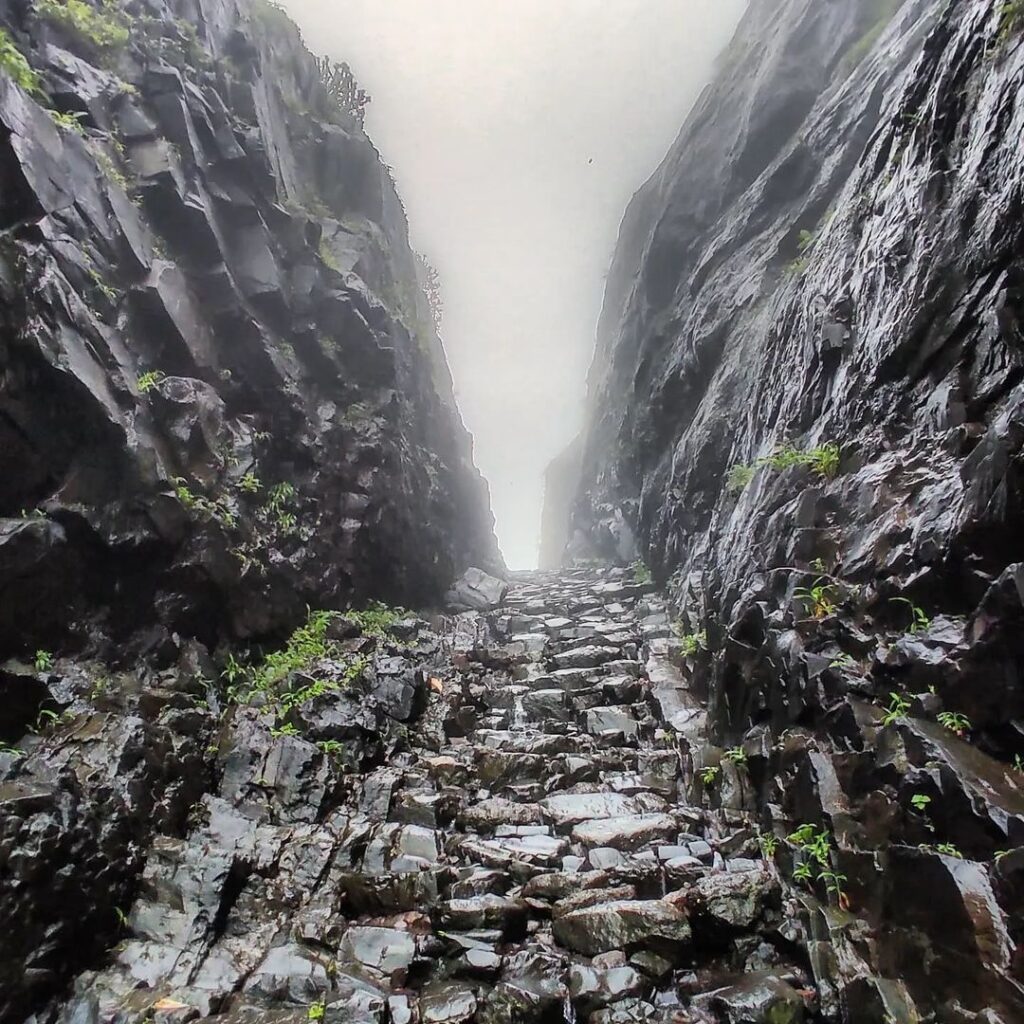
[627, 925]
[475, 590]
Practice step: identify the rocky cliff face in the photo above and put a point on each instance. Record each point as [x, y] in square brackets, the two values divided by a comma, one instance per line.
[223, 396]
[223, 402]
[806, 418]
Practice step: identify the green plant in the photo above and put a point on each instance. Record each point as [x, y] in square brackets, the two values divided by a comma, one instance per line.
[815, 847]
[286, 729]
[376, 618]
[769, 843]
[249, 484]
[805, 241]
[949, 850]
[843, 660]
[1018, 763]
[824, 459]
[97, 279]
[819, 598]
[106, 164]
[284, 678]
[14, 64]
[343, 89]
[233, 669]
[692, 643]
[331, 748]
[898, 708]
[1011, 19]
[833, 883]
[279, 496]
[803, 872]
[954, 721]
[43, 660]
[286, 522]
[739, 476]
[735, 755]
[641, 574]
[219, 509]
[815, 844]
[882, 14]
[104, 27]
[68, 122]
[149, 380]
[316, 1012]
[919, 622]
[327, 257]
[44, 718]
[6, 748]
[920, 801]
[709, 774]
[99, 687]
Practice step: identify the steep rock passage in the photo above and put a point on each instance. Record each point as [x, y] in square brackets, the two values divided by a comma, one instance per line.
[806, 417]
[492, 819]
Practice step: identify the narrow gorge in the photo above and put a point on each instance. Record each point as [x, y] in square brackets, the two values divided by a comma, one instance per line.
[283, 741]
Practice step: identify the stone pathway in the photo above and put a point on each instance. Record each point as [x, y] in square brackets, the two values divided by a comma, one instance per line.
[524, 850]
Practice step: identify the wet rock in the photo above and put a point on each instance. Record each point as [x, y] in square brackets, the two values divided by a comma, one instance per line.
[487, 911]
[590, 988]
[475, 589]
[289, 972]
[585, 657]
[625, 833]
[629, 1011]
[564, 809]
[447, 1004]
[733, 900]
[495, 811]
[626, 925]
[756, 999]
[386, 950]
[531, 988]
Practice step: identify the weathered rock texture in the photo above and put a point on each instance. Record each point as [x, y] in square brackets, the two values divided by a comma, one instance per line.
[832, 253]
[483, 818]
[223, 395]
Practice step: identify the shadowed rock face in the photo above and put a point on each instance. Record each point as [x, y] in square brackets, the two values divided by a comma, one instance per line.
[223, 397]
[830, 255]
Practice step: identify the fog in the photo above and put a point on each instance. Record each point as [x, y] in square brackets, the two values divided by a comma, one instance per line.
[518, 130]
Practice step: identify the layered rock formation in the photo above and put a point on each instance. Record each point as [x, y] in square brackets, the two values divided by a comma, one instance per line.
[223, 402]
[482, 818]
[224, 399]
[805, 418]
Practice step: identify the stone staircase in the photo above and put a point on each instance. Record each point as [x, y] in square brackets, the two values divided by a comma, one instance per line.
[525, 850]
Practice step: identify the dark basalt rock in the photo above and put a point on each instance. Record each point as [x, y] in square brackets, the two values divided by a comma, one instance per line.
[830, 254]
[203, 338]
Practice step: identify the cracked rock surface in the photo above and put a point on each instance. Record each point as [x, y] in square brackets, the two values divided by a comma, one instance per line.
[466, 855]
[472, 860]
[224, 398]
[805, 419]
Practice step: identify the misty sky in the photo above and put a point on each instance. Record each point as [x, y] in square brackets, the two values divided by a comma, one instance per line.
[518, 130]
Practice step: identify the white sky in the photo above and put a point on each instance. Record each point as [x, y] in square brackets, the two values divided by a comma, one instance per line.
[518, 130]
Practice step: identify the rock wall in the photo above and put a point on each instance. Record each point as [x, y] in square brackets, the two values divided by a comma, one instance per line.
[807, 418]
[222, 402]
[223, 396]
